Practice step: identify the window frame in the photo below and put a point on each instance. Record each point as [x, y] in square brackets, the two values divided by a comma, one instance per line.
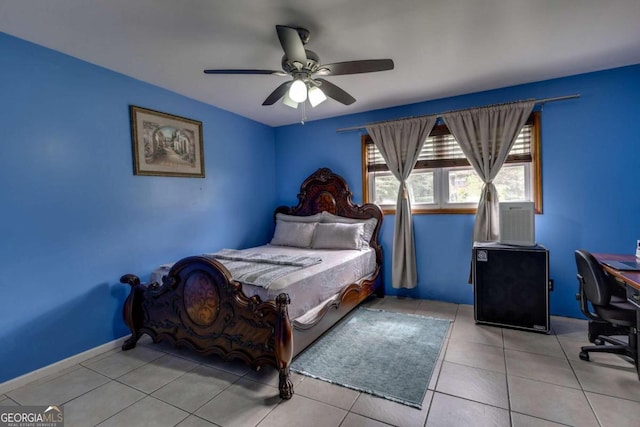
[535, 166]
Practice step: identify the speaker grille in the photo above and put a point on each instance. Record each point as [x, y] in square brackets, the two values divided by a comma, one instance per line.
[511, 287]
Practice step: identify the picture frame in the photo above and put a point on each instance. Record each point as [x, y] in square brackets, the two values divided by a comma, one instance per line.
[166, 144]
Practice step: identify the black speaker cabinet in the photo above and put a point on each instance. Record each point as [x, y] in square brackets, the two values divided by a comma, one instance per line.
[511, 286]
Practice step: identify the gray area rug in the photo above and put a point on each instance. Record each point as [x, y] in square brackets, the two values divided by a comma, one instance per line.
[390, 355]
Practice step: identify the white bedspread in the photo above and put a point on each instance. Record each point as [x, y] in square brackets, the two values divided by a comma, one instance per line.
[309, 286]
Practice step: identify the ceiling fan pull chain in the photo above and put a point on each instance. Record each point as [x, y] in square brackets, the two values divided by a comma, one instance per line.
[304, 113]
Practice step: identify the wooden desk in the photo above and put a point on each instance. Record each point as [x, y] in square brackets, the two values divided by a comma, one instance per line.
[631, 280]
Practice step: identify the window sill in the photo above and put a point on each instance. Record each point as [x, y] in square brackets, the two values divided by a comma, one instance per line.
[448, 211]
[466, 211]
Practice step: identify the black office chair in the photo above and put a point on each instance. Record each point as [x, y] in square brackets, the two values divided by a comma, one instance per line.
[610, 313]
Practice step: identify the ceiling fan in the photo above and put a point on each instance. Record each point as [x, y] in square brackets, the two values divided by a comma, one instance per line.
[304, 67]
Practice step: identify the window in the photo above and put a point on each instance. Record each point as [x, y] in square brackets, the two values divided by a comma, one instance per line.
[443, 181]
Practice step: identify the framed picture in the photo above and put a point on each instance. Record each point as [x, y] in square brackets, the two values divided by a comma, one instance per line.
[166, 145]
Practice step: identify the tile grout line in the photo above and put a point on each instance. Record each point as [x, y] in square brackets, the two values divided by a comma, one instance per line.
[506, 377]
[593, 411]
[144, 393]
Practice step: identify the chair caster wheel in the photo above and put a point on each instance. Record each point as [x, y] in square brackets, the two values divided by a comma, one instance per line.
[598, 341]
[584, 356]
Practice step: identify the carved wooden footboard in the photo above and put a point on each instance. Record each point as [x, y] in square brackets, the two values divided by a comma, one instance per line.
[199, 306]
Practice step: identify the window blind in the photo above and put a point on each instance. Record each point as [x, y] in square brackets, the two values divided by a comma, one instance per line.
[442, 150]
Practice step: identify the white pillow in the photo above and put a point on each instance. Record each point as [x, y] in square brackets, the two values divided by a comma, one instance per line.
[298, 234]
[369, 224]
[296, 218]
[338, 236]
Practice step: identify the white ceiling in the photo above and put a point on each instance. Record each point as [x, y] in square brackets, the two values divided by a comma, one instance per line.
[440, 48]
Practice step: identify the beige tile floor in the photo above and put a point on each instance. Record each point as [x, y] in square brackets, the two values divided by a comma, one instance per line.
[485, 376]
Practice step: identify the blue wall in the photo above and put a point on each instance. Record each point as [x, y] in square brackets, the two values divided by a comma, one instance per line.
[590, 164]
[75, 218]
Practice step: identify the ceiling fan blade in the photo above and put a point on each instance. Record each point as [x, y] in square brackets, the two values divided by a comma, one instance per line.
[291, 44]
[241, 71]
[357, 67]
[277, 94]
[333, 91]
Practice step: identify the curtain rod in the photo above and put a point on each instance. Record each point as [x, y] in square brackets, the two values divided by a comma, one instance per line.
[537, 101]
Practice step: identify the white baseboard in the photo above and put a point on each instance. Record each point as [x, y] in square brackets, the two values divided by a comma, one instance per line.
[14, 383]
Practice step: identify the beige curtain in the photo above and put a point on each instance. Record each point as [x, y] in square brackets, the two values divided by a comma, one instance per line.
[486, 135]
[400, 144]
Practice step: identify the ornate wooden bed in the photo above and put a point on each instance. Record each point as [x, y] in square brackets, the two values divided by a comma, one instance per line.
[200, 306]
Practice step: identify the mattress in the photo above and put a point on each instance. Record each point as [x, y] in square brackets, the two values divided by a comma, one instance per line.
[310, 286]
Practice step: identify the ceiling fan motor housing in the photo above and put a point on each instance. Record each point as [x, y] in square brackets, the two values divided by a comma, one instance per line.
[312, 64]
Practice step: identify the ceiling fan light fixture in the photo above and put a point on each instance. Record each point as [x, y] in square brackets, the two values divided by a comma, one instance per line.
[288, 101]
[298, 91]
[316, 96]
